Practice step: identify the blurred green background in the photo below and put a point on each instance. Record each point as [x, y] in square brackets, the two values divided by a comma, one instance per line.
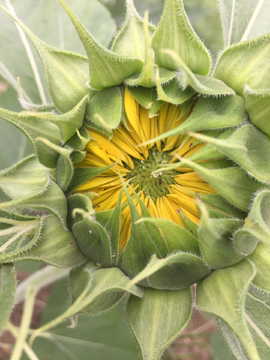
[108, 336]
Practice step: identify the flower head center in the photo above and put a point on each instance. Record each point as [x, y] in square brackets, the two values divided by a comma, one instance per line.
[148, 177]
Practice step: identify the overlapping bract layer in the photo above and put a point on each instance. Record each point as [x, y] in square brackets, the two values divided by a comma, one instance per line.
[152, 87]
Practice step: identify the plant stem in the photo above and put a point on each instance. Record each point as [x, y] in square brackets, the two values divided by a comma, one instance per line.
[25, 324]
[14, 331]
[30, 56]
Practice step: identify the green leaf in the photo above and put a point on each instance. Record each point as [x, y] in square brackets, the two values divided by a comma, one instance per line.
[175, 272]
[7, 292]
[256, 226]
[53, 245]
[151, 228]
[67, 123]
[231, 183]
[131, 38]
[66, 72]
[232, 341]
[172, 92]
[245, 63]
[147, 77]
[147, 97]
[257, 319]
[50, 23]
[218, 207]
[243, 20]
[261, 259]
[175, 32]
[248, 147]
[82, 175]
[112, 226]
[158, 318]
[17, 234]
[257, 105]
[34, 189]
[92, 292]
[258, 316]
[245, 240]
[208, 151]
[93, 240]
[33, 127]
[79, 140]
[176, 237]
[206, 85]
[215, 240]
[79, 204]
[144, 96]
[107, 288]
[97, 20]
[140, 245]
[57, 247]
[223, 294]
[103, 337]
[64, 167]
[211, 113]
[260, 210]
[36, 183]
[104, 110]
[106, 67]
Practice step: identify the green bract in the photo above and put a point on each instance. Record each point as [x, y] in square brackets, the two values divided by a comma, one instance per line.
[227, 254]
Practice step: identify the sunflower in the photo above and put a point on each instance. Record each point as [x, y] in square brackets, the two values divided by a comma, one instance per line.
[150, 174]
[165, 193]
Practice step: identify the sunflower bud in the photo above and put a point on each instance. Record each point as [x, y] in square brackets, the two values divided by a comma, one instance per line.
[152, 175]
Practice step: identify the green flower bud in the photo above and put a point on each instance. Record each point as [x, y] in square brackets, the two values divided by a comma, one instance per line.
[152, 175]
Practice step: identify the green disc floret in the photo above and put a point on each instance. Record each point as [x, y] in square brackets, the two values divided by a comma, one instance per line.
[147, 174]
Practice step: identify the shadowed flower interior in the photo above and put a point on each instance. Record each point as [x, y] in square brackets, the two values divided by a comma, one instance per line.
[165, 193]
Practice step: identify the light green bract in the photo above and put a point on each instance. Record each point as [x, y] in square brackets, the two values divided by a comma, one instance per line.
[227, 112]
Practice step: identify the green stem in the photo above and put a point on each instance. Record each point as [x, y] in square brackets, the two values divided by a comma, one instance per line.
[25, 324]
[72, 310]
[13, 330]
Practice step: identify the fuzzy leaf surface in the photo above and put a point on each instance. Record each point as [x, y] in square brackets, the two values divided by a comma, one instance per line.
[106, 67]
[231, 183]
[211, 113]
[93, 240]
[248, 147]
[223, 294]
[28, 184]
[175, 32]
[33, 127]
[245, 64]
[158, 318]
[175, 272]
[258, 316]
[104, 110]
[214, 239]
[108, 286]
[7, 292]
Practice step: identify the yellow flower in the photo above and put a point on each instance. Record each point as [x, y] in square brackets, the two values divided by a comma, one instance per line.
[164, 193]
